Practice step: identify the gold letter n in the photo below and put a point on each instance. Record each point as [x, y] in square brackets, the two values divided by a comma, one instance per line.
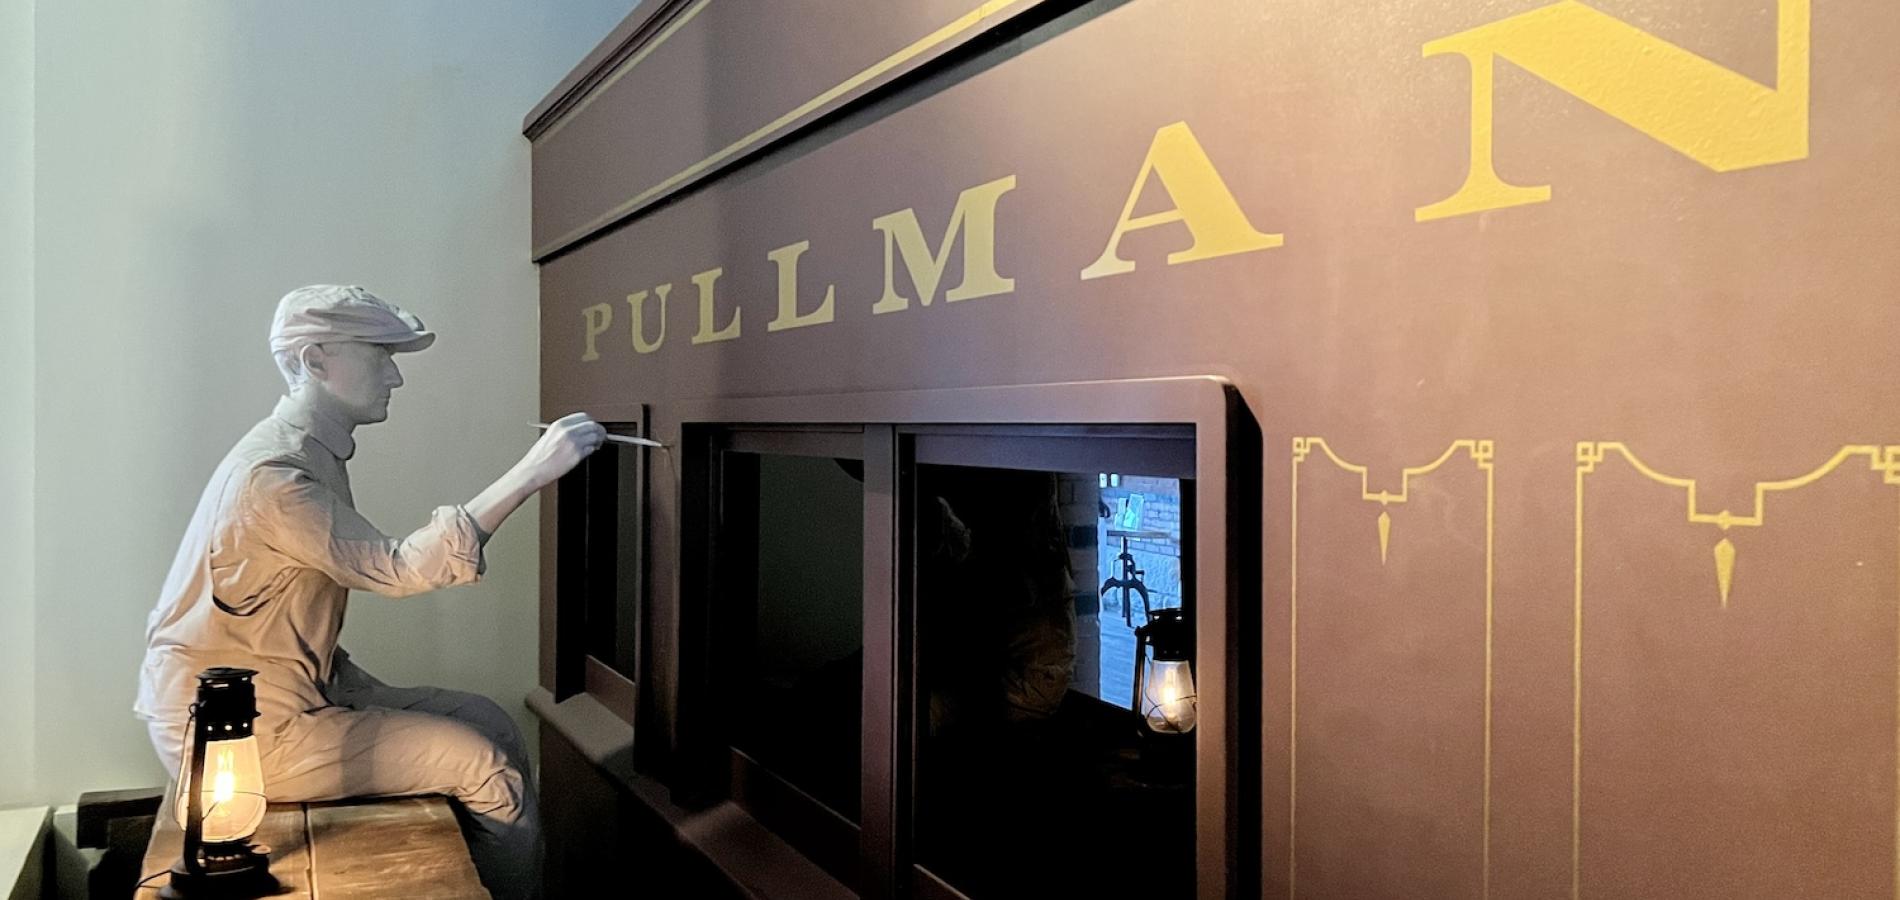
[1712, 115]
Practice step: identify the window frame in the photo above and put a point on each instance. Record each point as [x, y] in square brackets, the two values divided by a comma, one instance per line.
[1159, 450]
[1226, 470]
[579, 577]
[824, 835]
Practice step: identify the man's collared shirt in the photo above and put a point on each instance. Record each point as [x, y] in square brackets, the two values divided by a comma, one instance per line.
[263, 575]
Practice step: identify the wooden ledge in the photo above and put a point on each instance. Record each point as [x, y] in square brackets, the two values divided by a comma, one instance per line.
[407, 847]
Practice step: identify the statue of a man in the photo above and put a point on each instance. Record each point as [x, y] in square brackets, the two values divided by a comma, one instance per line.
[264, 572]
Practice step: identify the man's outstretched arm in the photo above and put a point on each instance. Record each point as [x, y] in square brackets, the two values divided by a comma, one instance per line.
[566, 442]
[310, 524]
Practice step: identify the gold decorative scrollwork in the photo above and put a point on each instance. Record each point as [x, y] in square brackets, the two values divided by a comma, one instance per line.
[1880, 459]
[1482, 453]
[1592, 454]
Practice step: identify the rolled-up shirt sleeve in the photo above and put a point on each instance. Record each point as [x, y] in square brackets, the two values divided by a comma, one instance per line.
[311, 525]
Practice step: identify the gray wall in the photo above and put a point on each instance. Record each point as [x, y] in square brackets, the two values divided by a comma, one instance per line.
[194, 162]
[16, 398]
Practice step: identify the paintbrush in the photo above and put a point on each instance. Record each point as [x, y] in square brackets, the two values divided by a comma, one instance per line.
[620, 438]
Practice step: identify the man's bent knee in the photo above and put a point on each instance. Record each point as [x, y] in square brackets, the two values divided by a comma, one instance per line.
[500, 795]
[487, 780]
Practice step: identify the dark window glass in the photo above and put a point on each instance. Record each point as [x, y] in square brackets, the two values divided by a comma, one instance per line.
[1034, 776]
[613, 540]
[797, 637]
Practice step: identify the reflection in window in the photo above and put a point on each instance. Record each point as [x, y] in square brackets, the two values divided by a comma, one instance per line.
[1141, 518]
[1034, 775]
[798, 649]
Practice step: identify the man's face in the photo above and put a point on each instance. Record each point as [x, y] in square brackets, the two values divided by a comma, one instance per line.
[358, 376]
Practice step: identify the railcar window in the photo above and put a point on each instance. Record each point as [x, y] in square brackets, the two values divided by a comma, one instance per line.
[959, 655]
[798, 636]
[603, 528]
[1035, 774]
[613, 613]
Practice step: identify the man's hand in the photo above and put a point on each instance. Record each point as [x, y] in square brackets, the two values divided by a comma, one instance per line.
[562, 447]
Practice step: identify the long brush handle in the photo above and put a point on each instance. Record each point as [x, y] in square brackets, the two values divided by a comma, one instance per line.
[620, 438]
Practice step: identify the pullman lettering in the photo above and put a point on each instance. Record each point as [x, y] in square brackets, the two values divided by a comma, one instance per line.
[1711, 114]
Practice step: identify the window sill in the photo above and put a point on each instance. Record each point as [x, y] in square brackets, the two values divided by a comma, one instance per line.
[754, 860]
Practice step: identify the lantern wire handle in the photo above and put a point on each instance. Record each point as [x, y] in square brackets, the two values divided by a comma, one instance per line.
[190, 721]
[185, 759]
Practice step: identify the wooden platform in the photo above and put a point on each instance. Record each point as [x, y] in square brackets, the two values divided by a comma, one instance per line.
[405, 847]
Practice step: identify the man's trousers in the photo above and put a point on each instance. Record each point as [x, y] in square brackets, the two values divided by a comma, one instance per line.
[381, 741]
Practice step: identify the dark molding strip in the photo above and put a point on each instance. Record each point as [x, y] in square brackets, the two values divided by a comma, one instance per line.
[633, 33]
[754, 860]
[902, 65]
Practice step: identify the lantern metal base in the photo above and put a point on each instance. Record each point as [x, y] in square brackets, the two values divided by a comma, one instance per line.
[231, 871]
[1166, 758]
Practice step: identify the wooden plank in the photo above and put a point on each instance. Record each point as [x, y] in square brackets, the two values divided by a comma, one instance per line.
[409, 847]
[283, 831]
